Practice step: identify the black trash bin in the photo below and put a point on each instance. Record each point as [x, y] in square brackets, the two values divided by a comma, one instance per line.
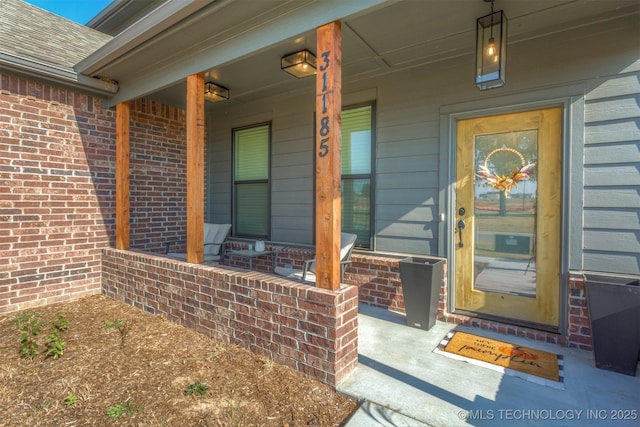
[614, 312]
[421, 279]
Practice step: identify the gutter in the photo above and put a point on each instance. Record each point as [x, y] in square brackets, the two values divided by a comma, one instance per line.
[157, 21]
[56, 74]
[112, 9]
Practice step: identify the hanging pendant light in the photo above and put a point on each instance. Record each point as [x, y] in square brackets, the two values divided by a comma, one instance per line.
[491, 49]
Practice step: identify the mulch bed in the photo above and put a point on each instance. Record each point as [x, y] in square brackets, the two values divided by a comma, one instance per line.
[145, 367]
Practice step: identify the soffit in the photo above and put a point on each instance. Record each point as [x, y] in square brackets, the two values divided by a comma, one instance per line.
[222, 21]
[383, 39]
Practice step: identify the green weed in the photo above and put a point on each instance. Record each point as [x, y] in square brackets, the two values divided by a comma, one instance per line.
[120, 409]
[55, 345]
[30, 325]
[70, 400]
[62, 323]
[196, 387]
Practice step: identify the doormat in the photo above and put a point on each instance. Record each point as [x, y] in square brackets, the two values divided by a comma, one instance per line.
[528, 363]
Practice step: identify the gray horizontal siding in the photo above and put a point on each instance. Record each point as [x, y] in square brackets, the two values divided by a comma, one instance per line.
[407, 171]
[611, 219]
[405, 132]
[606, 174]
[415, 163]
[614, 86]
[219, 180]
[407, 168]
[611, 230]
[627, 152]
[612, 262]
[412, 147]
[619, 130]
[403, 237]
[292, 178]
[407, 213]
[620, 240]
[606, 197]
[401, 181]
[290, 170]
[609, 109]
[427, 196]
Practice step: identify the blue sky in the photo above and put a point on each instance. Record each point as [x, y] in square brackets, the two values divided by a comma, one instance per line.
[80, 11]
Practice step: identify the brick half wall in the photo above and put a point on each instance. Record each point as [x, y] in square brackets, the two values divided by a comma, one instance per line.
[314, 331]
[378, 280]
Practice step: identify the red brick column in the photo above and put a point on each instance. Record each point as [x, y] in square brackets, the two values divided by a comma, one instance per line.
[579, 333]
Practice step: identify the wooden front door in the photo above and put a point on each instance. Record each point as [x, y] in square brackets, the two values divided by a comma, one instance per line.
[508, 216]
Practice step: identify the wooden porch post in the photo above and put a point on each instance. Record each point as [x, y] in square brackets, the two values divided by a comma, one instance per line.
[195, 168]
[328, 155]
[122, 175]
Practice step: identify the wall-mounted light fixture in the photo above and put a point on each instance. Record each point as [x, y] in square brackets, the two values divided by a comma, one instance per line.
[214, 92]
[491, 49]
[300, 64]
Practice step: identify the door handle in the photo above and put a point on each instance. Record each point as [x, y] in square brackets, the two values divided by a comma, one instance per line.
[461, 226]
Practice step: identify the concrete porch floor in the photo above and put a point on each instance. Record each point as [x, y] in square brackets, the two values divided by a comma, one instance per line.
[403, 383]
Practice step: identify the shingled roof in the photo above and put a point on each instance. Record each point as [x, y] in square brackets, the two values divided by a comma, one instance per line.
[29, 32]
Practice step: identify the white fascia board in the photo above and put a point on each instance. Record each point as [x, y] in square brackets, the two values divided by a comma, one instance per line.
[162, 18]
[55, 74]
[272, 32]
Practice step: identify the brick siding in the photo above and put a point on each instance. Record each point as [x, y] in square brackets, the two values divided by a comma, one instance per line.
[57, 188]
[56, 185]
[158, 178]
[309, 329]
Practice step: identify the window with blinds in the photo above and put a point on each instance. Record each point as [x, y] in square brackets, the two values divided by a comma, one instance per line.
[357, 143]
[251, 181]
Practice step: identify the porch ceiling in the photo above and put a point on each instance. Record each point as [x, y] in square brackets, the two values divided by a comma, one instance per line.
[385, 38]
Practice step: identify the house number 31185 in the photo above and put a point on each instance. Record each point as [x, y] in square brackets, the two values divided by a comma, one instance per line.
[325, 128]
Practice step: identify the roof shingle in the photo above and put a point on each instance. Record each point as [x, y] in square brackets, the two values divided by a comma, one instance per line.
[30, 32]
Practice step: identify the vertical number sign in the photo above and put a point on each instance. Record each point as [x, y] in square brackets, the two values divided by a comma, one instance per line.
[325, 125]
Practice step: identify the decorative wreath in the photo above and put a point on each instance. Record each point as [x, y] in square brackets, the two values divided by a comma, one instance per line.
[505, 183]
